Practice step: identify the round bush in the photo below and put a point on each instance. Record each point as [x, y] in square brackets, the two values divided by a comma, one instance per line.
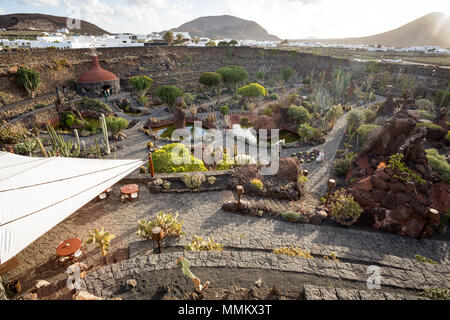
[224, 110]
[210, 79]
[168, 94]
[175, 157]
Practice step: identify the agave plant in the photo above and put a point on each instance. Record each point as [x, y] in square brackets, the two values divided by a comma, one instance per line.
[101, 238]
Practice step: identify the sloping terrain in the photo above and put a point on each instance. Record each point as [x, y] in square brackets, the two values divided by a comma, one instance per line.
[227, 27]
[44, 22]
[431, 29]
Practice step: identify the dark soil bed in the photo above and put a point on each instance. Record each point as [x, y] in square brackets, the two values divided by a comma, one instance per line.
[226, 284]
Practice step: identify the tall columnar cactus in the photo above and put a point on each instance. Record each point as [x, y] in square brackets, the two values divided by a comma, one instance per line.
[65, 148]
[99, 153]
[105, 133]
[75, 133]
[185, 265]
[44, 152]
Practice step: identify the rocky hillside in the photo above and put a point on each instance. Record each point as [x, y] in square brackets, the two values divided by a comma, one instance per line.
[43, 22]
[226, 27]
[431, 29]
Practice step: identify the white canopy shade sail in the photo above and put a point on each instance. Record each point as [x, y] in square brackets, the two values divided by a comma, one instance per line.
[38, 193]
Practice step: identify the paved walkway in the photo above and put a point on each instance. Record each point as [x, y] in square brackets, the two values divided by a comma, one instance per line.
[202, 216]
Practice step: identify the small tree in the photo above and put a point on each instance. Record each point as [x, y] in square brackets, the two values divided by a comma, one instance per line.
[168, 37]
[223, 44]
[287, 73]
[141, 84]
[29, 79]
[233, 43]
[233, 75]
[211, 44]
[179, 38]
[168, 94]
[252, 91]
[212, 80]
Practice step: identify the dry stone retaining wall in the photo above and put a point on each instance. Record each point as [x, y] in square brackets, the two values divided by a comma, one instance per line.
[177, 65]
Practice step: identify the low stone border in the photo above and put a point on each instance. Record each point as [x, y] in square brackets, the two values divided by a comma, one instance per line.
[327, 293]
[146, 177]
[103, 282]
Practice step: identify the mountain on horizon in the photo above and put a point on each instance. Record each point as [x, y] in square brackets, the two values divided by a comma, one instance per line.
[431, 29]
[226, 27]
[44, 22]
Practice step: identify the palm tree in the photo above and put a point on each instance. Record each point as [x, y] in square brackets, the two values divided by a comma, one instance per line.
[179, 38]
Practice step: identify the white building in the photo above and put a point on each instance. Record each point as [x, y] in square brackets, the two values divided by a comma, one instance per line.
[185, 35]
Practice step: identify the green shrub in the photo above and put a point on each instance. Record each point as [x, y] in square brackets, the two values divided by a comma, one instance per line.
[224, 110]
[143, 100]
[115, 125]
[420, 258]
[426, 115]
[141, 84]
[308, 106]
[344, 209]
[168, 94]
[69, 120]
[436, 294]
[267, 112]
[425, 104]
[369, 115]
[245, 122]
[287, 73]
[292, 216]
[273, 96]
[342, 165]
[299, 114]
[355, 119]
[26, 147]
[210, 79]
[168, 160]
[442, 98]
[29, 79]
[308, 133]
[94, 104]
[402, 172]
[364, 130]
[252, 90]
[439, 164]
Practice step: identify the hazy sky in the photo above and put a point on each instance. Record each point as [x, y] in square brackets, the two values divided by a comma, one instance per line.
[288, 19]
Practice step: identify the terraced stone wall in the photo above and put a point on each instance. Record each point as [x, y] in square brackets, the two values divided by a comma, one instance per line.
[179, 65]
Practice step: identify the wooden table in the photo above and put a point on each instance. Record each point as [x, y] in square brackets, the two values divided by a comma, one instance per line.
[68, 247]
[129, 189]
